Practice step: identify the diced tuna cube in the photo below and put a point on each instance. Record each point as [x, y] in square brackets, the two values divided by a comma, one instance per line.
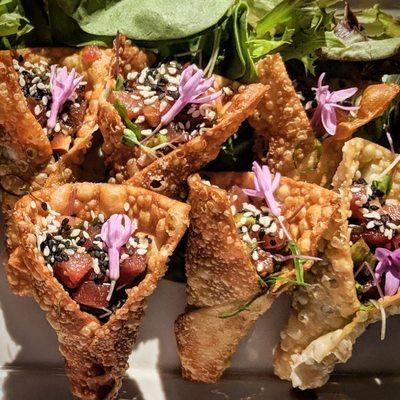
[73, 272]
[92, 294]
[130, 268]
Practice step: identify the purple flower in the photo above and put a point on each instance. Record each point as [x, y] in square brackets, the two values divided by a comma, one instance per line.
[265, 187]
[115, 234]
[192, 86]
[327, 102]
[62, 86]
[389, 264]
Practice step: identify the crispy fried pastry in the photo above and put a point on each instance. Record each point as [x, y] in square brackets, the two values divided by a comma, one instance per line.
[328, 317]
[168, 151]
[224, 285]
[30, 150]
[95, 348]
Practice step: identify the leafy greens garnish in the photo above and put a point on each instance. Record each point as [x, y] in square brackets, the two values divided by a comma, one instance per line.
[13, 24]
[298, 263]
[383, 184]
[132, 129]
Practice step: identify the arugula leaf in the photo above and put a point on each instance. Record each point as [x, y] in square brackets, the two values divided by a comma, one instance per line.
[129, 138]
[119, 84]
[383, 184]
[146, 20]
[128, 123]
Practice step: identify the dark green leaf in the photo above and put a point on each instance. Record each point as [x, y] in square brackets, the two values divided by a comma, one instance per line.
[146, 20]
[119, 85]
[361, 252]
[298, 263]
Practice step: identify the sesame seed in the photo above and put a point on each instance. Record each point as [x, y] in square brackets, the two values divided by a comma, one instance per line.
[37, 109]
[172, 70]
[126, 206]
[141, 252]
[172, 88]
[255, 228]
[22, 81]
[33, 204]
[370, 224]
[85, 235]
[233, 210]
[260, 267]
[163, 104]
[46, 251]
[254, 256]
[124, 256]
[57, 128]
[355, 189]
[45, 100]
[75, 233]
[146, 132]
[163, 131]
[86, 224]
[101, 218]
[139, 119]
[136, 109]
[41, 86]
[92, 214]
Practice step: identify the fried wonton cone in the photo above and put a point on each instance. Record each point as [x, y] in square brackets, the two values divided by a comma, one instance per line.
[26, 156]
[220, 276]
[284, 136]
[167, 174]
[326, 318]
[95, 354]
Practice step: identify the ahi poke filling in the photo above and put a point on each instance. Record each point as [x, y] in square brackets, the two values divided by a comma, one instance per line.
[166, 106]
[77, 252]
[35, 80]
[375, 238]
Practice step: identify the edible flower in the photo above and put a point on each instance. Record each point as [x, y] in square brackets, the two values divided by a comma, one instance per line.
[265, 187]
[62, 87]
[389, 264]
[192, 86]
[115, 233]
[327, 102]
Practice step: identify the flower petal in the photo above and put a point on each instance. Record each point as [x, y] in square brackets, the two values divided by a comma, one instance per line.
[391, 284]
[329, 120]
[341, 95]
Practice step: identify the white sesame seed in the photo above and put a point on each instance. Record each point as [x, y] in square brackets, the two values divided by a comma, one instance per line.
[22, 81]
[255, 228]
[92, 214]
[101, 218]
[273, 228]
[57, 128]
[146, 132]
[141, 252]
[33, 204]
[260, 267]
[70, 252]
[254, 255]
[233, 210]
[132, 75]
[95, 265]
[172, 70]
[37, 109]
[86, 224]
[163, 131]
[75, 232]
[355, 189]
[85, 235]
[370, 224]
[46, 251]
[163, 104]
[45, 100]
[41, 86]
[136, 109]
[124, 256]
[126, 206]
[48, 114]
[139, 119]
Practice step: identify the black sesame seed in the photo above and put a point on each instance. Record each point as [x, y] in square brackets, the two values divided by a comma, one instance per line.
[384, 218]
[65, 256]
[374, 208]
[20, 58]
[43, 205]
[58, 258]
[65, 221]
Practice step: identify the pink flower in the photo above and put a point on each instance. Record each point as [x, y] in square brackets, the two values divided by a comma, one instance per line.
[191, 88]
[265, 187]
[327, 102]
[115, 234]
[62, 86]
[389, 264]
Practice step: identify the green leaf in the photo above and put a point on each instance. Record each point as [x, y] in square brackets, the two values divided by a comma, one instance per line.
[383, 184]
[128, 123]
[129, 138]
[119, 85]
[369, 50]
[258, 8]
[146, 20]
[65, 29]
[376, 22]
[237, 63]
[298, 263]
[261, 47]
[13, 23]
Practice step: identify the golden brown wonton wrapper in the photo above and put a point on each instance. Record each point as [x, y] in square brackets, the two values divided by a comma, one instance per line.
[220, 275]
[167, 174]
[26, 162]
[284, 136]
[326, 318]
[95, 354]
